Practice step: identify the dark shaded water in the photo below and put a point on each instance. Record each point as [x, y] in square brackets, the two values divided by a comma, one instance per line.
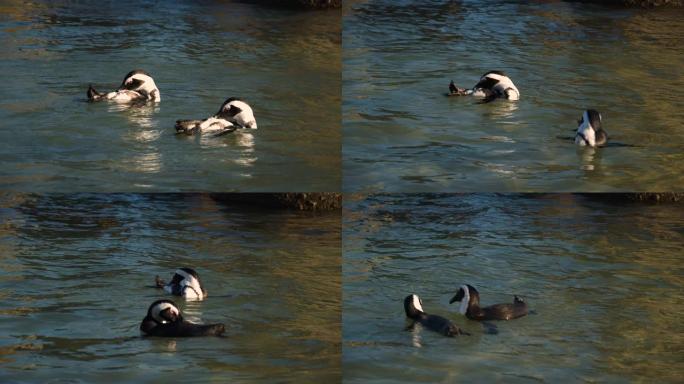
[74, 280]
[286, 64]
[401, 134]
[604, 279]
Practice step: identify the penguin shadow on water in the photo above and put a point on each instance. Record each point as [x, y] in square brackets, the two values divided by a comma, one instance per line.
[239, 139]
[164, 317]
[140, 114]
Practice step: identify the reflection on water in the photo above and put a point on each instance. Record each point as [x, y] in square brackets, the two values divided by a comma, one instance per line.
[589, 157]
[399, 57]
[140, 115]
[199, 55]
[150, 162]
[75, 281]
[604, 280]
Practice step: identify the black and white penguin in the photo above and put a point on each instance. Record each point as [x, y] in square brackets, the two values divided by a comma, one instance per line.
[186, 283]
[590, 132]
[470, 306]
[138, 85]
[414, 311]
[492, 85]
[233, 114]
[165, 319]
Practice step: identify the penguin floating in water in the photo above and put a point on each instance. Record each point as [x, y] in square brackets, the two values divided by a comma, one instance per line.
[414, 311]
[233, 114]
[492, 85]
[590, 132]
[165, 319]
[185, 282]
[470, 306]
[138, 85]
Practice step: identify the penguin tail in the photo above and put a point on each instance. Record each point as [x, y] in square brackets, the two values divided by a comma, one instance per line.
[188, 127]
[93, 94]
[159, 283]
[452, 87]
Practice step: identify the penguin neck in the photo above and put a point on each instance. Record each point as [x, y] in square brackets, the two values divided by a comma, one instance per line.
[416, 314]
[470, 304]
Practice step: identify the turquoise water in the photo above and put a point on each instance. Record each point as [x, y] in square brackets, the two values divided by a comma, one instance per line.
[285, 63]
[604, 280]
[401, 134]
[75, 273]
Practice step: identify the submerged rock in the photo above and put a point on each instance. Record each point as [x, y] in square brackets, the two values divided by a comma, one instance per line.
[306, 4]
[313, 201]
[640, 3]
[648, 197]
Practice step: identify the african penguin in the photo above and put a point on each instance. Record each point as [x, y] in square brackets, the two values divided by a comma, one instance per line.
[470, 306]
[492, 85]
[186, 283]
[414, 311]
[590, 132]
[165, 319]
[234, 113]
[138, 85]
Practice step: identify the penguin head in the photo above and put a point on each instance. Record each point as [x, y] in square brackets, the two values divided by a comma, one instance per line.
[140, 81]
[511, 94]
[587, 129]
[467, 295]
[164, 311]
[187, 279]
[413, 306]
[237, 111]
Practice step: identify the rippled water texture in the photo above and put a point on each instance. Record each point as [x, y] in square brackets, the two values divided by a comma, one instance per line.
[402, 134]
[74, 283]
[286, 64]
[604, 280]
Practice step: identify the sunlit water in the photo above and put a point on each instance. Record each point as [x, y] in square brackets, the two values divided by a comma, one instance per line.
[605, 281]
[402, 134]
[285, 63]
[75, 273]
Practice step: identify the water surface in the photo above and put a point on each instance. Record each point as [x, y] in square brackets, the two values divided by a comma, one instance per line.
[402, 134]
[75, 273]
[604, 280]
[285, 63]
